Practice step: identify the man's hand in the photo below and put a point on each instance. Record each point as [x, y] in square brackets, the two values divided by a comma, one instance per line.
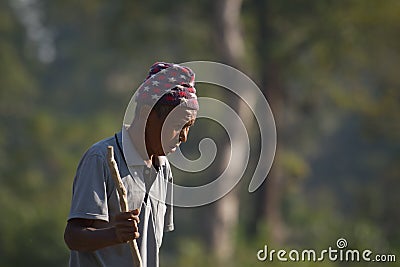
[126, 225]
[90, 235]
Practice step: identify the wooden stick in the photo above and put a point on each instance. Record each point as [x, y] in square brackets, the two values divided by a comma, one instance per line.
[123, 201]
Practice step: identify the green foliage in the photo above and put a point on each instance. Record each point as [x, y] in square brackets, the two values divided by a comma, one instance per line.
[337, 66]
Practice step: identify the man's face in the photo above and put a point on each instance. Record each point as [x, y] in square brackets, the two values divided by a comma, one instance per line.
[164, 136]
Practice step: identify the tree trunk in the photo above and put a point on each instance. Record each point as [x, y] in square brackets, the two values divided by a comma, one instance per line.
[270, 194]
[229, 42]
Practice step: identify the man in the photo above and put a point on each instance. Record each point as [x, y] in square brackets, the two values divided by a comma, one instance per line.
[97, 232]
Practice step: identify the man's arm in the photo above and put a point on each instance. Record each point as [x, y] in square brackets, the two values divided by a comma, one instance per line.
[90, 235]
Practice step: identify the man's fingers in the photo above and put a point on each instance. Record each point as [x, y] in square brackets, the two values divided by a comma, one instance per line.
[126, 225]
[130, 234]
[129, 215]
[129, 224]
[125, 236]
[136, 211]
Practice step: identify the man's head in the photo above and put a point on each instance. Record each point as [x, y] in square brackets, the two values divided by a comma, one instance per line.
[167, 127]
[167, 106]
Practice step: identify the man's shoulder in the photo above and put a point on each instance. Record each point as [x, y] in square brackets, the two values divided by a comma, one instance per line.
[109, 141]
[100, 148]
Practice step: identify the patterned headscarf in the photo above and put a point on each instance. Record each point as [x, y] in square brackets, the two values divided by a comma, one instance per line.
[169, 83]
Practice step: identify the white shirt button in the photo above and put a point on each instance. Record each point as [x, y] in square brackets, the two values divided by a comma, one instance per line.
[146, 172]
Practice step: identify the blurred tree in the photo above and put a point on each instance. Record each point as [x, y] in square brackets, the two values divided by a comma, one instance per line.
[230, 44]
[328, 68]
[269, 73]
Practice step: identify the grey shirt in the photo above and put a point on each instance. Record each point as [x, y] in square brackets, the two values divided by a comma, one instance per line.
[94, 197]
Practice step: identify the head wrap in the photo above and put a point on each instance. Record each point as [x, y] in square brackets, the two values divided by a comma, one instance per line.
[170, 84]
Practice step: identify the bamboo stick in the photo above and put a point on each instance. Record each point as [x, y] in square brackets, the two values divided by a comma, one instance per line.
[123, 201]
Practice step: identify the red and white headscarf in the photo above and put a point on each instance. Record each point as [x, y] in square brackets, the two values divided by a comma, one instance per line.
[169, 83]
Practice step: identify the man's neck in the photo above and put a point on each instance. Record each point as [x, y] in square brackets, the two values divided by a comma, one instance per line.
[137, 136]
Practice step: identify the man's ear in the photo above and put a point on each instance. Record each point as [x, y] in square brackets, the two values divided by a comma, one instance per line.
[149, 115]
[145, 111]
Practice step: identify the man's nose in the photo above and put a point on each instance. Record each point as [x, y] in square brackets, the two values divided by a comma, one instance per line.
[183, 135]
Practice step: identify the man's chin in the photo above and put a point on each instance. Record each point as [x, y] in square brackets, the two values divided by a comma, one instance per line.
[162, 153]
[169, 151]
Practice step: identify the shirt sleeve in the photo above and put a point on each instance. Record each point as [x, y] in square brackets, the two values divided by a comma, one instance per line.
[169, 215]
[89, 195]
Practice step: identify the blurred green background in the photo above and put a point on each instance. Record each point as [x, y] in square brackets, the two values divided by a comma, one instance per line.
[329, 69]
